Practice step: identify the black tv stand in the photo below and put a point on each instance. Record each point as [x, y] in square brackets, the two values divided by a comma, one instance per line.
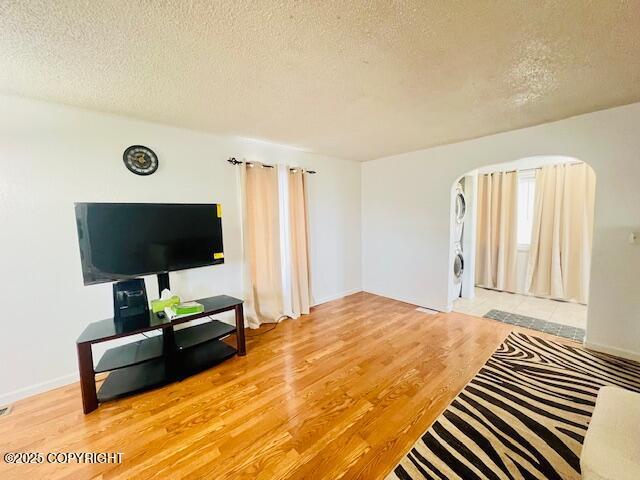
[158, 360]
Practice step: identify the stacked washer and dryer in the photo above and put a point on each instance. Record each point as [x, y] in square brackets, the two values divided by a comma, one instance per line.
[460, 211]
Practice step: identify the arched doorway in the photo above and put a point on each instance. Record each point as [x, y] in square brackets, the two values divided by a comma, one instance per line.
[521, 243]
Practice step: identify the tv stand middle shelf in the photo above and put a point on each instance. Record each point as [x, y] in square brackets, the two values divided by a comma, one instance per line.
[159, 359]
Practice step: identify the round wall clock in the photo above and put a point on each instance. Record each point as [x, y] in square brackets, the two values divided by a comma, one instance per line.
[140, 160]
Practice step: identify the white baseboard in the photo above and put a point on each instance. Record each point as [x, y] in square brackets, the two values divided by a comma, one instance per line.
[14, 396]
[10, 397]
[428, 311]
[21, 393]
[612, 351]
[330, 298]
[399, 299]
[410, 301]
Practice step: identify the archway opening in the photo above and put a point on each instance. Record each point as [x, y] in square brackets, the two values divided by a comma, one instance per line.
[521, 238]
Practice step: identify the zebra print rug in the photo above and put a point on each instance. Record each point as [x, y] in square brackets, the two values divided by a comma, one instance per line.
[524, 415]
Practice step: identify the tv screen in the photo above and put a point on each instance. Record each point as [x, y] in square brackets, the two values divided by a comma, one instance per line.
[125, 240]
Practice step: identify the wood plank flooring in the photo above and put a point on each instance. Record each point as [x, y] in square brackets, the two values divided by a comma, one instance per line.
[340, 393]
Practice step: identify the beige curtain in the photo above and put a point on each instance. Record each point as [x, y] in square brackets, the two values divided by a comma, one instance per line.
[496, 238]
[298, 243]
[560, 255]
[261, 240]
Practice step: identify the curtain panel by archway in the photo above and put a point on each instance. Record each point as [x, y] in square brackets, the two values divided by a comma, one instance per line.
[560, 256]
[496, 238]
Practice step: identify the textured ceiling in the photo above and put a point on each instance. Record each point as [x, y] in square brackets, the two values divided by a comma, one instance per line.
[354, 79]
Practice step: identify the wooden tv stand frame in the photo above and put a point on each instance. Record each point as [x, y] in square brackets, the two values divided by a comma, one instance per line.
[158, 360]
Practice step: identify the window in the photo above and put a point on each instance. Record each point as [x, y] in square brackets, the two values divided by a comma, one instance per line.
[526, 200]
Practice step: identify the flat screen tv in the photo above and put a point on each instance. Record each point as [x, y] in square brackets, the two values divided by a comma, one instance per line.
[125, 240]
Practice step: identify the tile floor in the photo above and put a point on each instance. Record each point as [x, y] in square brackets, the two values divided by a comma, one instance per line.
[570, 314]
[545, 326]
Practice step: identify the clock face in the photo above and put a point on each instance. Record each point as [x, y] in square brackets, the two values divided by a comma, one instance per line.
[140, 160]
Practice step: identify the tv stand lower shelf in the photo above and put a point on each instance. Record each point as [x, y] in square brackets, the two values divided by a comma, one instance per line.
[158, 360]
[159, 372]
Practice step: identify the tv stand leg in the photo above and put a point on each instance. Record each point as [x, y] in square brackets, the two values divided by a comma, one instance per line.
[240, 341]
[169, 350]
[168, 342]
[87, 378]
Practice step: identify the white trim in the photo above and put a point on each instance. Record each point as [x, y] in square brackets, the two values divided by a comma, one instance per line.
[612, 351]
[336, 296]
[25, 392]
[428, 311]
[409, 301]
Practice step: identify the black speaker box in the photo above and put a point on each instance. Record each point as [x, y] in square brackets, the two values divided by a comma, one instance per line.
[130, 300]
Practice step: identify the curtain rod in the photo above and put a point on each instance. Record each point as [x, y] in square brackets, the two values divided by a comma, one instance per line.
[532, 169]
[233, 161]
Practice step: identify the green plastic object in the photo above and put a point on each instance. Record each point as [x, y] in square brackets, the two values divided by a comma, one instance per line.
[160, 304]
[188, 308]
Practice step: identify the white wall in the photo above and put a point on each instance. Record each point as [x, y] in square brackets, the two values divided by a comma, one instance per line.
[52, 156]
[406, 203]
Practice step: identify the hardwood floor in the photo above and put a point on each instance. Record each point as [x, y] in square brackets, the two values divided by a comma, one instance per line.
[340, 393]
